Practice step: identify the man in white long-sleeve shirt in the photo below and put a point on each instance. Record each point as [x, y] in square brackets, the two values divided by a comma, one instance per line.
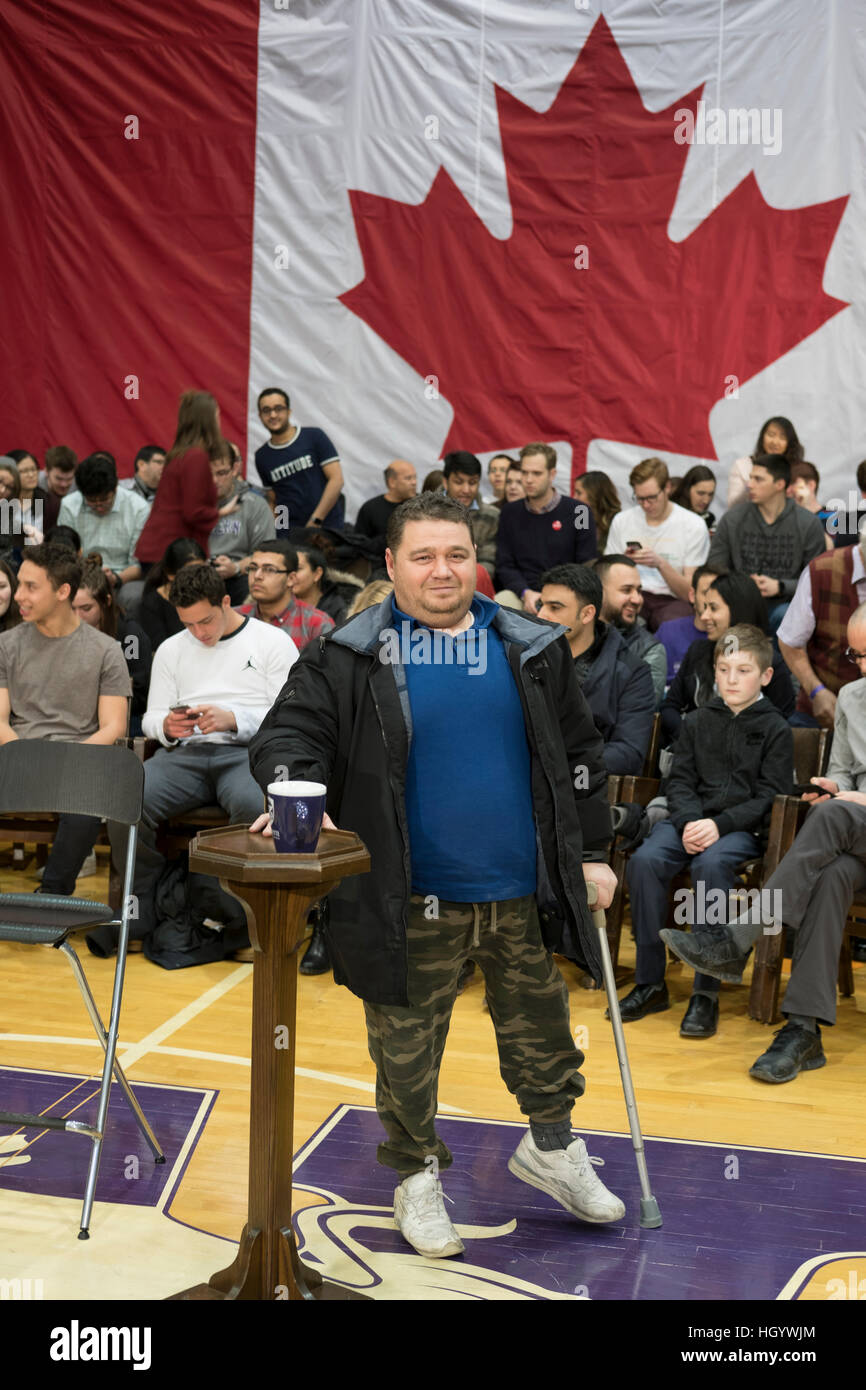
[210, 688]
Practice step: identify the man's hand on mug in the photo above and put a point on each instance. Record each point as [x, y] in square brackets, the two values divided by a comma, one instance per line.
[262, 825]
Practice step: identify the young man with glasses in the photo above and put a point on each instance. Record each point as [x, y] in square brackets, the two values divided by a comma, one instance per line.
[271, 573]
[665, 541]
[245, 522]
[300, 468]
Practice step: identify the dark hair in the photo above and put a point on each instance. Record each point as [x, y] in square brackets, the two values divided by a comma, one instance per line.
[699, 473]
[580, 579]
[96, 476]
[434, 480]
[146, 453]
[861, 476]
[64, 535]
[62, 457]
[273, 391]
[197, 426]
[316, 558]
[744, 599]
[604, 501]
[794, 451]
[19, 454]
[288, 551]
[742, 637]
[94, 581]
[604, 562]
[776, 465]
[61, 566]
[700, 570]
[197, 584]
[805, 470]
[461, 462]
[427, 506]
[12, 617]
[177, 554]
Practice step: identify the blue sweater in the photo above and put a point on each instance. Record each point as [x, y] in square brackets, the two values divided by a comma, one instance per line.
[468, 792]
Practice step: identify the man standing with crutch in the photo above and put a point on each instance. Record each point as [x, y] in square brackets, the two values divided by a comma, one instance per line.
[453, 738]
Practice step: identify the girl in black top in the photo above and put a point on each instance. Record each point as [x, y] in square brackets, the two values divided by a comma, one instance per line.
[732, 598]
[157, 616]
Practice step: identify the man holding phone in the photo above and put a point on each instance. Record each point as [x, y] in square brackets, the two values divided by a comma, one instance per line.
[815, 882]
[210, 688]
[664, 540]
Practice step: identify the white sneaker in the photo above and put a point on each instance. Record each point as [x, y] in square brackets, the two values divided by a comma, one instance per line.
[419, 1211]
[568, 1176]
[87, 869]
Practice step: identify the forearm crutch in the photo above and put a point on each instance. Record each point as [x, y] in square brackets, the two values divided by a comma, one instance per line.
[650, 1216]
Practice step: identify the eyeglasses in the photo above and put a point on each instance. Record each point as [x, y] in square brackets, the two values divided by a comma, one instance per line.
[642, 501]
[264, 569]
[272, 409]
[854, 656]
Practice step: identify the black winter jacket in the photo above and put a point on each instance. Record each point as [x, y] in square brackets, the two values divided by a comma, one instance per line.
[343, 718]
[729, 768]
[618, 687]
[694, 684]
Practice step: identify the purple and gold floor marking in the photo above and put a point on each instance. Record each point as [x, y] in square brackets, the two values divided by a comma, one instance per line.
[739, 1222]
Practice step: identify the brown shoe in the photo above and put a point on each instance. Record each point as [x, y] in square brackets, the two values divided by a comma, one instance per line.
[134, 948]
[246, 955]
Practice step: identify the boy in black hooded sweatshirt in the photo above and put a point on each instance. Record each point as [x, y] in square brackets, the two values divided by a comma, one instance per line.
[733, 755]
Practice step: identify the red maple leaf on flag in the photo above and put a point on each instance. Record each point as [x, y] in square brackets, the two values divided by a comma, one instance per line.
[638, 345]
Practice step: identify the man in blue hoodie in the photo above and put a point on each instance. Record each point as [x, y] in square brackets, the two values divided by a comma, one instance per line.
[480, 847]
[616, 683]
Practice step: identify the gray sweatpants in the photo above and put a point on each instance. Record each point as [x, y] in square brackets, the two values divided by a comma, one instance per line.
[817, 878]
[177, 780]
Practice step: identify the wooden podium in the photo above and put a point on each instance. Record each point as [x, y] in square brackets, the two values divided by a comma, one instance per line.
[277, 892]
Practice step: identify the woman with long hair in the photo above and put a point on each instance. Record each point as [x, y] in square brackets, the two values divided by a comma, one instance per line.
[596, 491]
[95, 604]
[186, 500]
[9, 615]
[696, 491]
[776, 436]
[731, 598]
[157, 616]
[17, 529]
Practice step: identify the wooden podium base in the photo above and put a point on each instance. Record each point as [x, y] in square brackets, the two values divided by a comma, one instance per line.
[277, 892]
[245, 1278]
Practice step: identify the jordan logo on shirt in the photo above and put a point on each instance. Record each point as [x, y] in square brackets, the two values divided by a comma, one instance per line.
[249, 666]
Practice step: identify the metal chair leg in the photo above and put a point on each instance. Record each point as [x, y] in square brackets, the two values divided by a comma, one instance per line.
[650, 1216]
[99, 1027]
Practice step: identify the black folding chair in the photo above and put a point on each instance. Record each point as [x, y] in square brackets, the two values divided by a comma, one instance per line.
[89, 780]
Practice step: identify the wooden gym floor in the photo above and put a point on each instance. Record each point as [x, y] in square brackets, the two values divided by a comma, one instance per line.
[189, 1030]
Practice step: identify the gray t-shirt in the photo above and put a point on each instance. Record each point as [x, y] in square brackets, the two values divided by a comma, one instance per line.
[54, 683]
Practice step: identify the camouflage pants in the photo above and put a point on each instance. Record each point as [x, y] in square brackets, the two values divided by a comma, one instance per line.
[528, 1004]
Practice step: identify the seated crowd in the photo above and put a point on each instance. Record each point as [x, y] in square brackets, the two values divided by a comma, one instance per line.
[174, 603]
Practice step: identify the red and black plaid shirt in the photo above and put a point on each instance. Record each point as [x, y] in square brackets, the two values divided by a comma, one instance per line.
[300, 620]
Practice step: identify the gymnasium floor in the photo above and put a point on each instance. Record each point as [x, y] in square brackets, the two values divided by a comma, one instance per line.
[762, 1188]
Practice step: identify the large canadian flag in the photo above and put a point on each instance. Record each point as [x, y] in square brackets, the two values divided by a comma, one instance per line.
[624, 228]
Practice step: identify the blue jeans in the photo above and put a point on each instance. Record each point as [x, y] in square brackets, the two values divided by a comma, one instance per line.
[650, 871]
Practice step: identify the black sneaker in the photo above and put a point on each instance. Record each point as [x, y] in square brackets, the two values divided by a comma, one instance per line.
[793, 1049]
[711, 953]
